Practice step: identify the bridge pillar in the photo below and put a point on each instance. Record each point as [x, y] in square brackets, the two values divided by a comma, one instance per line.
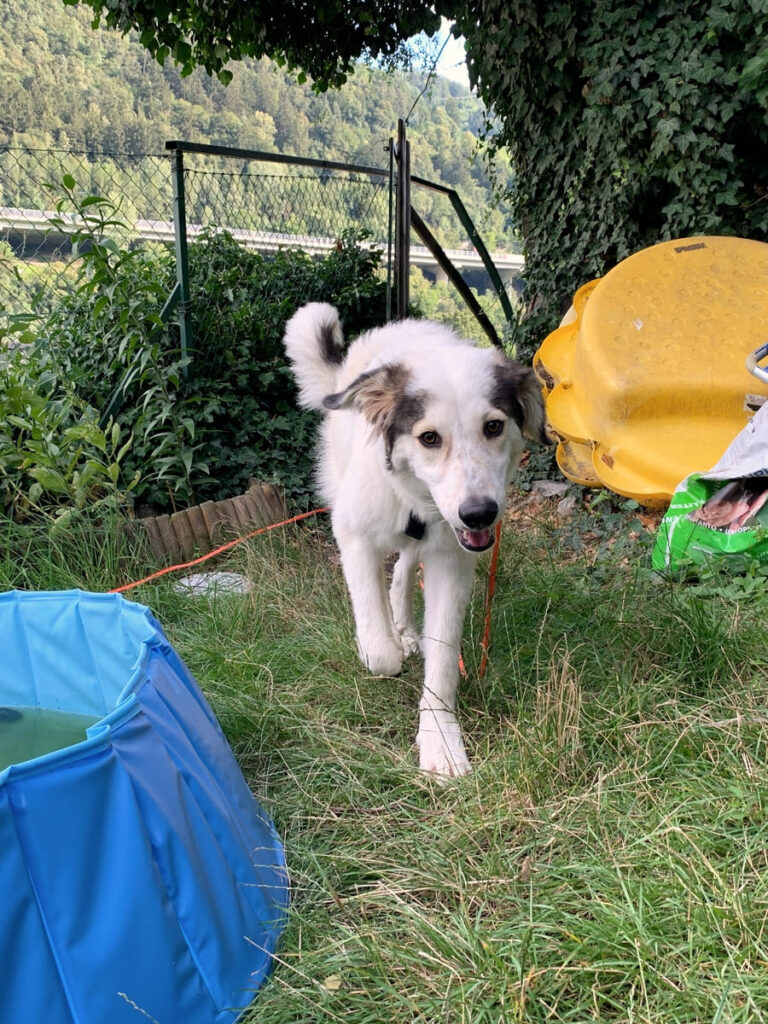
[512, 279]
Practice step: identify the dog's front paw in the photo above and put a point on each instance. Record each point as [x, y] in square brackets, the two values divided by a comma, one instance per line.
[441, 748]
[382, 657]
[411, 642]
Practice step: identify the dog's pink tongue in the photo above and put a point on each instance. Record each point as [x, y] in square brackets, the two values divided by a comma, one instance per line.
[478, 538]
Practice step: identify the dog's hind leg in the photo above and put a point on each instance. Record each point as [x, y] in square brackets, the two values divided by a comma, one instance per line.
[447, 587]
[380, 648]
[401, 594]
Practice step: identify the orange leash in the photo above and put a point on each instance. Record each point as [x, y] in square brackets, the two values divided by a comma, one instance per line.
[216, 551]
[486, 641]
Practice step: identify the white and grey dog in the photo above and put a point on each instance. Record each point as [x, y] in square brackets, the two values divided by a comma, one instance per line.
[422, 434]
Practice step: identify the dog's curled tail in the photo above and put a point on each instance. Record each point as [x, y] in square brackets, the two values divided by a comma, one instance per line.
[314, 345]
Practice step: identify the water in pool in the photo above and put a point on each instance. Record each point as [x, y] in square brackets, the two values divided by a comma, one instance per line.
[30, 732]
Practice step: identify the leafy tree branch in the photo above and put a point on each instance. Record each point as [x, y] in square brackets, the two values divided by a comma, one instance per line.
[324, 37]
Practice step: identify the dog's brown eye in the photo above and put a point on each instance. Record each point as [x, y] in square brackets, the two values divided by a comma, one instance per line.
[430, 439]
[493, 428]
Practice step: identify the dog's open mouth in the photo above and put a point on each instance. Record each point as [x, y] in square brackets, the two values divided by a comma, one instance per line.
[475, 540]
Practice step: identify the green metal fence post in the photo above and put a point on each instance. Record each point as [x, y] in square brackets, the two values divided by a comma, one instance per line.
[182, 258]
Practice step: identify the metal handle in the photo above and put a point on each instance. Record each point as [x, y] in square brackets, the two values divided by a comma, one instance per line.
[752, 363]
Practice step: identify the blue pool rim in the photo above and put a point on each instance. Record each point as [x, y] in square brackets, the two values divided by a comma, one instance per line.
[142, 878]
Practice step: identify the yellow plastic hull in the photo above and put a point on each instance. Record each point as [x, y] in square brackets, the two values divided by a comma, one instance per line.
[645, 381]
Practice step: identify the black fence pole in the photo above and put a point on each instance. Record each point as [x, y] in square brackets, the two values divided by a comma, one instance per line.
[402, 221]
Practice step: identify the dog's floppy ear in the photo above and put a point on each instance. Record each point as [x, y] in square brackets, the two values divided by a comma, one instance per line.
[518, 393]
[374, 393]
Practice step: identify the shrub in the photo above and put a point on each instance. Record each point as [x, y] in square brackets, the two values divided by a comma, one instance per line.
[238, 377]
[201, 424]
[626, 124]
[105, 344]
[54, 456]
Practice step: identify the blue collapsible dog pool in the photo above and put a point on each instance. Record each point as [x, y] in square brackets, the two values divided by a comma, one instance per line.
[141, 880]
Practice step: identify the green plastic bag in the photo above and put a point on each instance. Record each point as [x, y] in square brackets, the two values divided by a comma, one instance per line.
[723, 513]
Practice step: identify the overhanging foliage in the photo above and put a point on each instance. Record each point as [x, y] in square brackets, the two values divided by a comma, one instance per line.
[324, 38]
[627, 123]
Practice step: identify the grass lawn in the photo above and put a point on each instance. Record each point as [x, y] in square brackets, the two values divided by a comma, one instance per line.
[608, 858]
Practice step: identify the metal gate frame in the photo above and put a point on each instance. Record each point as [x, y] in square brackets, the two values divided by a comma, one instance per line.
[405, 218]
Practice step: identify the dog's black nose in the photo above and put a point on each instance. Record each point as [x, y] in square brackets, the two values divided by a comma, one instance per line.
[477, 513]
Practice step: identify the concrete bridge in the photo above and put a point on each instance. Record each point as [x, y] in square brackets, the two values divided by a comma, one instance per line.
[48, 231]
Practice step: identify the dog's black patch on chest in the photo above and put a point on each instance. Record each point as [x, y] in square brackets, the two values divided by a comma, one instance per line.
[416, 527]
[331, 352]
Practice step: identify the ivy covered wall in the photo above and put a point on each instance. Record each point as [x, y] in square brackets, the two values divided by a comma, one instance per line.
[627, 123]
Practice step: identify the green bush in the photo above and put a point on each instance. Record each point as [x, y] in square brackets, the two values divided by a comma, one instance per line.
[105, 345]
[54, 456]
[201, 425]
[238, 377]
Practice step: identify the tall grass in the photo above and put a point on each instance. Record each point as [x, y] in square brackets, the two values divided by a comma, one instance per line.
[608, 858]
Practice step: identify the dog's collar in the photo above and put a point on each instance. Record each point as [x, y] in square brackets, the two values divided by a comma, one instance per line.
[416, 527]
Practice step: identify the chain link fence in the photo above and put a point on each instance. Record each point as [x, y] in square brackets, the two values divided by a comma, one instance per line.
[314, 205]
[266, 203]
[36, 223]
[298, 208]
[264, 208]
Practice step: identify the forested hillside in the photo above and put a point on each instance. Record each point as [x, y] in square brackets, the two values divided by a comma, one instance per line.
[67, 86]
